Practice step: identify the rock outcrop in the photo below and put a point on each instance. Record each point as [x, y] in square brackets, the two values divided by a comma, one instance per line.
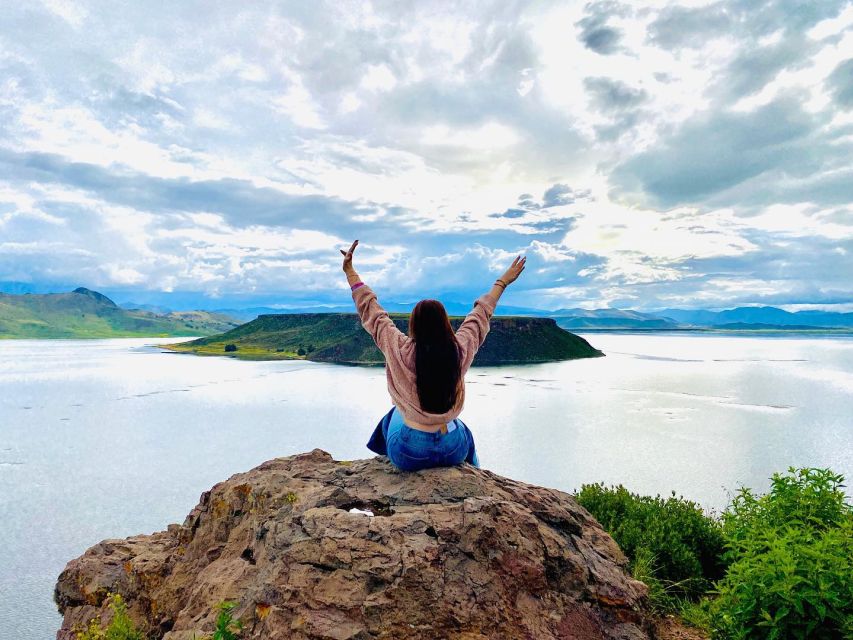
[458, 553]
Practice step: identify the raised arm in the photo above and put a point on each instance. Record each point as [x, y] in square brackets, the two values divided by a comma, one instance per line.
[374, 318]
[473, 330]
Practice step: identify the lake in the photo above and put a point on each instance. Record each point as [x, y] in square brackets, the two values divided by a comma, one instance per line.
[111, 438]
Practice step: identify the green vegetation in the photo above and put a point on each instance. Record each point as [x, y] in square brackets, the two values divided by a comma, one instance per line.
[120, 627]
[226, 627]
[672, 545]
[791, 555]
[786, 557]
[89, 314]
[339, 337]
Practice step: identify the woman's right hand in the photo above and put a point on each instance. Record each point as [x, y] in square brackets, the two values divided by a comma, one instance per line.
[348, 268]
[514, 270]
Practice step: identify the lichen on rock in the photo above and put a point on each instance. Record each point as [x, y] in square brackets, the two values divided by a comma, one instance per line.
[458, 552]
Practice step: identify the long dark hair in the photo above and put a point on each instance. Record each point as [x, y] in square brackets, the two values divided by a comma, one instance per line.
[436, 356]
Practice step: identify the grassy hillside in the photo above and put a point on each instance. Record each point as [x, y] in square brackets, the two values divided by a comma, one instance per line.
[88, 314]
[339, 337]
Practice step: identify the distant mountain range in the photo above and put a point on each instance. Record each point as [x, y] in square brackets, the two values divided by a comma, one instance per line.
[612, 319]
[760, 315]
[83, 313]
[740, 319]
[86, 313]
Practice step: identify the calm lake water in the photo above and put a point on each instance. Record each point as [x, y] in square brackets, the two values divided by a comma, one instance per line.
[111, 438]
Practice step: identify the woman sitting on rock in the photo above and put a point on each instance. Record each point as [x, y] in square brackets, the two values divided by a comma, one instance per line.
[426, 373]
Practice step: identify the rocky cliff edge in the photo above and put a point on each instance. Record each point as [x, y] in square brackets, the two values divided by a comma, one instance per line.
[459, 553]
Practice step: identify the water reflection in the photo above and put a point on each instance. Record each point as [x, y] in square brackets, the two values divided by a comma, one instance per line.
[112, 438]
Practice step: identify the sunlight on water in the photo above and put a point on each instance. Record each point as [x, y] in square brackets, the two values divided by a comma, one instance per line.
[106, 439]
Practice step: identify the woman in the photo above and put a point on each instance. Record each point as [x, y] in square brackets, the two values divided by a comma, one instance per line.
[426, 373]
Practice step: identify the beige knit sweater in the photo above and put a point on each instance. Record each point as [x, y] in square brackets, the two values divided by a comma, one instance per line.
[399, 352]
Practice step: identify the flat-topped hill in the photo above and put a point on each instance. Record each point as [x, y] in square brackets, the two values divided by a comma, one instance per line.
[458, 553]
[84, 313]
[339, 337]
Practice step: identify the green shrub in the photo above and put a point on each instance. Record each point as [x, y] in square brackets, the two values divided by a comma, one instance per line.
[791, 554]
[226, 627]
[121, 627]
[230, 347]
[673, 546]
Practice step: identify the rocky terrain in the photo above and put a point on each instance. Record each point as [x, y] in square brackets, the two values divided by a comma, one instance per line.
[459, 553]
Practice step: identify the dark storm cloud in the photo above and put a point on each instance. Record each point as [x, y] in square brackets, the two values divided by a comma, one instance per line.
[556, 195]
[562, 194]
[754, 67]
[601, 39]
[716, 151]
[814, 269]
[612, 95]
[595, 33]
[240, 202]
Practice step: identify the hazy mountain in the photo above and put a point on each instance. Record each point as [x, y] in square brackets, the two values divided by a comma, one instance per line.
[760, 315]
[84, 313]
[610, 319]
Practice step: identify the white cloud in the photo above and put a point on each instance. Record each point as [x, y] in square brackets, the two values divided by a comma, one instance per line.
[378, 78]
[72, 12]
[155, 154]
[297, 104]
[488, 136]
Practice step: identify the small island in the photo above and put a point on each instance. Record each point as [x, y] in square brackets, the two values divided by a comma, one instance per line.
[340, 338]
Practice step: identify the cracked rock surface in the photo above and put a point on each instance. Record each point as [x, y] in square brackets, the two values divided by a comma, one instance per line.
[458, 552]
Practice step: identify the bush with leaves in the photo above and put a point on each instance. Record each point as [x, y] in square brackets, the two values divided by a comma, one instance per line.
[791, 555]
[227, 628]
[121, 627]
[671, 543]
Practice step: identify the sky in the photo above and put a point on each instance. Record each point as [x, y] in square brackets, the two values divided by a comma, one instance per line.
[641, 155]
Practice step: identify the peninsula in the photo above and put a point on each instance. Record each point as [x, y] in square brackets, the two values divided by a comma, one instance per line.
[339, 337]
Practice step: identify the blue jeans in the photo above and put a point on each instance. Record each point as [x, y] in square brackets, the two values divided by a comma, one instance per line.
[412, 449]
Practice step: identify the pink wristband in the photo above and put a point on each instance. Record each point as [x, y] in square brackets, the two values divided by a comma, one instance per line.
[356, 285]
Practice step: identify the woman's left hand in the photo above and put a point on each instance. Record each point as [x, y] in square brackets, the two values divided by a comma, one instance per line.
[348, 268]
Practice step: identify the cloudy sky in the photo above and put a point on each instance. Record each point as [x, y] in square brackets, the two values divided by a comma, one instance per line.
[642, 155]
